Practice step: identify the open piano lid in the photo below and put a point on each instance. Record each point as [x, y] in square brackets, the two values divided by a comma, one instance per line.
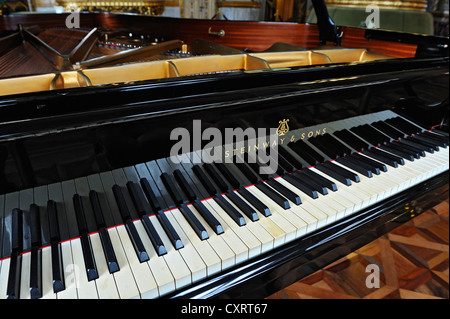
[38, 55]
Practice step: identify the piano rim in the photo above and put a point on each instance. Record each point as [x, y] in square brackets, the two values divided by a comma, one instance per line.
[273, 271]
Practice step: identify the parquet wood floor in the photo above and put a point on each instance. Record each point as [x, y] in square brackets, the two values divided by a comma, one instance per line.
[413, 263]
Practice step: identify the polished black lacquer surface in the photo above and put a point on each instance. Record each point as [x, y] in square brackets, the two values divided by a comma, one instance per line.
[55, 136]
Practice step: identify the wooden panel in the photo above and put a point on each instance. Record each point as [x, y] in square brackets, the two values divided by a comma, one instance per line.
[255, 36]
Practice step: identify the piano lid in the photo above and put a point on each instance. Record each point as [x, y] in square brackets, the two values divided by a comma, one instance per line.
[42, 54]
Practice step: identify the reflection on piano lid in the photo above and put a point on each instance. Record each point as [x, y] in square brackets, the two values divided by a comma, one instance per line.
[141, 232]
[85, 145]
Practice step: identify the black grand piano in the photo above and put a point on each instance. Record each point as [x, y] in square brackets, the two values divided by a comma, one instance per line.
[97, 199]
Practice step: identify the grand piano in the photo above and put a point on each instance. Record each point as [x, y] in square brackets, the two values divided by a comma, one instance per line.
[97, 199]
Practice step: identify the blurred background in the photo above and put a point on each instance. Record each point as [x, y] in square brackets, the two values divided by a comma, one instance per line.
[420, 16]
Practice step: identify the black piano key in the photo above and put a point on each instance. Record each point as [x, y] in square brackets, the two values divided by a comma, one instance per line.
[15, 266]
[184, 185]
[416, 145]
[26, 234]
[319, 179]
[362, 132]
[381, 137]
[254, 165]
[136, 241]
[57, 265]
[397, 152]
[198, 171]
[422, 142]
[273, 195]
[211, 170]
[16, 230]
[322, 145]
[151, 197]
[14, 275]
[401, 144]
[35, 273]
[406, 150]
[255, 202]
[434, 136]
[230, 210]
[243, 206]
[227, 174]
[295, 163]
[306, 149]
[129, 224]
[121, 204]
[208, 217]
[388, 159]
[351, 139]
[35, 262]
[196, 225]
[426, 148]
[331, 140]
[35, 225]
[308, 158]
[374, 169]
[284, 191]
[334, 174]
[79, 213]
[342, 171]
[311, 182]
[155, 239]
[246, 171]
[170, 186]
[133, 189]
[108, 250]
[403, 125]
[89, 261]
[429, 141]
[389, 130]
[170, 231]
[301, 185]
[53, 221]
[283, 165]
[381, 166]
[98, 213]
[355, 166]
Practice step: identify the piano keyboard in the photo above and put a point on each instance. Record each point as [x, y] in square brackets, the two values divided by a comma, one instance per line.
[148, 230]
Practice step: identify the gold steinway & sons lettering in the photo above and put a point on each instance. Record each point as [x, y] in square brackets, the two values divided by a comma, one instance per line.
[282, 140]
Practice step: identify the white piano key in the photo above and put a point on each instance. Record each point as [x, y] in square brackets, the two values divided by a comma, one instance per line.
[106, 285]
[273, 230]
[177, 266]
[25, 276]
[265, 240]
[190, 255]
[124, 279]
[47, 280]
[86, 289]
[282, 220]
[244, 245]
[70, 291]
[204, 249]
[311, 210]
[4, 272]
[217, 242]
[141, 272]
